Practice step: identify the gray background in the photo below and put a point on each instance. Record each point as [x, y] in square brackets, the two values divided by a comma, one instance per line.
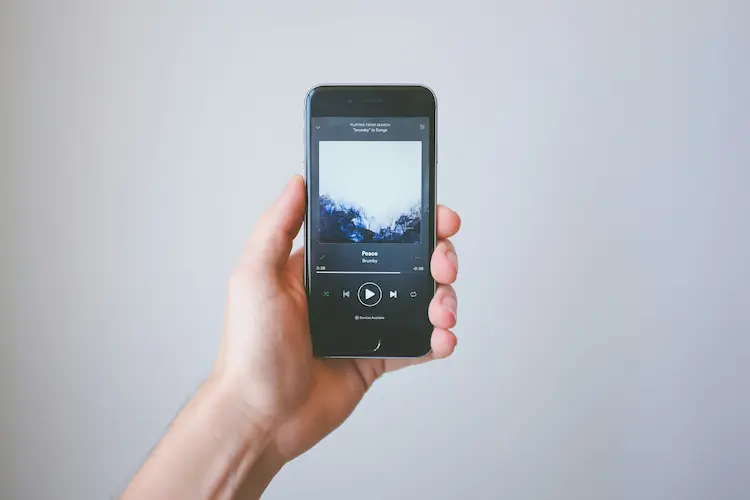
[597, 151]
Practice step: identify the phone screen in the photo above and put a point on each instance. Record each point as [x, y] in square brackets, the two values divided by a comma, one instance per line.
[370, 234]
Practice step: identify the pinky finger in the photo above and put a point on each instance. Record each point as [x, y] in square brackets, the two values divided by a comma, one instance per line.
[443, 343]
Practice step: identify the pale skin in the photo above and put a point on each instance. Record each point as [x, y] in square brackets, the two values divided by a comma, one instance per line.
[268, 400]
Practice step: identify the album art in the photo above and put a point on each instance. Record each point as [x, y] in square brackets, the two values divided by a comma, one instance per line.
[370, 191]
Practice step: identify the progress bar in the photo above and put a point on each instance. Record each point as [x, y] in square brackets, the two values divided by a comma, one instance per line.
[358, 272]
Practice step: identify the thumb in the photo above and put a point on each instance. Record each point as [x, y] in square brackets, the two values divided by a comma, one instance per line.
[271, 241]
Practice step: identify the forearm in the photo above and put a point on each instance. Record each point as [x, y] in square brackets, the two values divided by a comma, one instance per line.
[207, 452]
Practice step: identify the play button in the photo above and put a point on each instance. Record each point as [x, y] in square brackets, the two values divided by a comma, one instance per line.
[369, 294]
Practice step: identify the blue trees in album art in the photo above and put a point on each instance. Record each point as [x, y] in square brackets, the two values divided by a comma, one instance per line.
[341, 223]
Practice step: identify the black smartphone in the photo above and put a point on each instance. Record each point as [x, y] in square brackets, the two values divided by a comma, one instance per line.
[370, 163]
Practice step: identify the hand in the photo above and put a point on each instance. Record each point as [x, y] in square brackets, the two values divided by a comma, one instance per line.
[266, 352]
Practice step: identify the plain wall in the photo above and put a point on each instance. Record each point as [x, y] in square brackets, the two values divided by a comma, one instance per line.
[598, 152]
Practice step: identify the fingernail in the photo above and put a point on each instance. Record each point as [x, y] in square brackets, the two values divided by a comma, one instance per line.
[452, 258]
[450, 303]
[289, 185]
[295, 179]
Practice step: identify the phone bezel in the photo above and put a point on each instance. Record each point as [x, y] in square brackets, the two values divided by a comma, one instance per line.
[374, 100]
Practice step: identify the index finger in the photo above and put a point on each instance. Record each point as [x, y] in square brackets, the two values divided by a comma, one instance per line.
[448, 222]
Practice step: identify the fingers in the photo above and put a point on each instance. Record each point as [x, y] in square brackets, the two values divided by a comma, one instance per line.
[442, 343]
[448, 222]
[444, 263]
[269, 245]
[443, 307]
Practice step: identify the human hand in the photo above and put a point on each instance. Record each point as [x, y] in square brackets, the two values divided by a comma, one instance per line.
[266, 351]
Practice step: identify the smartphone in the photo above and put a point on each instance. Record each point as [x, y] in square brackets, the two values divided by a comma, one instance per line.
[370, 164]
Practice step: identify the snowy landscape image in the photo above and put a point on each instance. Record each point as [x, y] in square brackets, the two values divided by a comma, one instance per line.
[370, 191]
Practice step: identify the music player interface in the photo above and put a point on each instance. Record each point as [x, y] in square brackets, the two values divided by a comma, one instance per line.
[369, 214]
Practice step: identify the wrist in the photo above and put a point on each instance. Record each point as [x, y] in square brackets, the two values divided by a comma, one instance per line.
[232, 399]
[228, 394]
[268, 465]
